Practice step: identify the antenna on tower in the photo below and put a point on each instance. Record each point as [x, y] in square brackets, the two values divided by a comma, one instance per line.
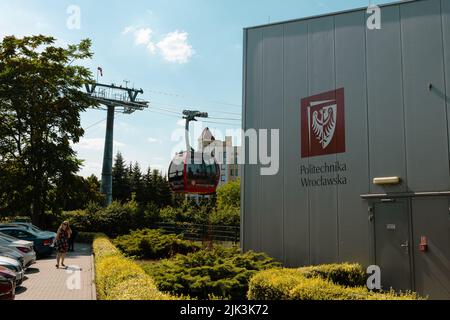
[116, 99]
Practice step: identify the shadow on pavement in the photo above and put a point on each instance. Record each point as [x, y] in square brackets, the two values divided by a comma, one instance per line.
[32, 271]
[81, 250]
[20, 290]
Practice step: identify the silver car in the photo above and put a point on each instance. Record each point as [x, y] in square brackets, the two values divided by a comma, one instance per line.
[11, 253]
[14, 266]
[24, 247]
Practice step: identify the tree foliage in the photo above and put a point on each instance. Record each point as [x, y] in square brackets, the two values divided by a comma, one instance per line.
[148, 188]
[229, 195]
[40, 105]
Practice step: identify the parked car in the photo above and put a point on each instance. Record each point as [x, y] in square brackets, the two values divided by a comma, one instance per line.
[7, 284]
[28, 258]
[24, 247]
[14, 266]
[43, 244]
[28, 226]
[11, 253]
[25, 243]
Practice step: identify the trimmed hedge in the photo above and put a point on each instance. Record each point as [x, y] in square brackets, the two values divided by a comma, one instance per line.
[153, 244]
[332, 282]
[118, 278]
[345, 274]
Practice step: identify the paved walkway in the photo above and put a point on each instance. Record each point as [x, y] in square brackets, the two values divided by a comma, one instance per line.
[45, 282]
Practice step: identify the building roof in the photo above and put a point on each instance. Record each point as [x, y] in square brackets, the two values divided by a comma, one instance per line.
[399, 2]
[207, 135]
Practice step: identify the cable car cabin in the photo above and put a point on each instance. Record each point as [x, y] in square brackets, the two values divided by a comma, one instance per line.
[200, 175]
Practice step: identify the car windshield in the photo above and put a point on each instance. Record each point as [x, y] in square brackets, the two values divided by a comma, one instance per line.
[30, 227]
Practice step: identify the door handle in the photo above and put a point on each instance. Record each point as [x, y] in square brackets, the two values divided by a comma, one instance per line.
[406, 245]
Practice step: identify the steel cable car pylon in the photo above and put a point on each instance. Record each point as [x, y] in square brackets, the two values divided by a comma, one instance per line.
[116, 99]
[193, 172]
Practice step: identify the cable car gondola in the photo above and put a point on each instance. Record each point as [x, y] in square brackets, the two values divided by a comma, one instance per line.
[193, 172]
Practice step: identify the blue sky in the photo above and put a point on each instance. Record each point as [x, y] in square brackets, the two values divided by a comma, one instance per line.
[185, 54]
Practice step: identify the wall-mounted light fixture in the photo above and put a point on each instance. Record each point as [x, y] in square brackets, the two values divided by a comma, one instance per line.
[387, 181]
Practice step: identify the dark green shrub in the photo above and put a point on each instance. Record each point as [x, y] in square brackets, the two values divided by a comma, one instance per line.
[153, 244]
[187, 212]
[85, 237]
[223, 273]
[115, 220]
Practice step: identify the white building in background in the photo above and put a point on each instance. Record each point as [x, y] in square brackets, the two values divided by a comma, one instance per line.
[225, 153]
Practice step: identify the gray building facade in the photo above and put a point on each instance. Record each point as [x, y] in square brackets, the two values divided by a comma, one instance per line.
[364, 142]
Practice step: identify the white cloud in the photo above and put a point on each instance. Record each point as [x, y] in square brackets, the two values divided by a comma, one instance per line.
[91, 168]
[143, 36]
[151, 47]
[128, 30]
[175, 47]
[181, 123]
[96, 144]
[154, 140]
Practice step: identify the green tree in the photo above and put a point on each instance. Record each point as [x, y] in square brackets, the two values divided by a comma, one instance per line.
[148, 196]
[77, 194]
[136, 182]
[121, 185]
[163, 192]
[40, 106]
[229, 195]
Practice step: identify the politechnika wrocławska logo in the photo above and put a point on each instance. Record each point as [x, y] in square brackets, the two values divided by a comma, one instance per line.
[323, 124]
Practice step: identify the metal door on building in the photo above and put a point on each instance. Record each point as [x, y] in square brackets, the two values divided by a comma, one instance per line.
[392, 243]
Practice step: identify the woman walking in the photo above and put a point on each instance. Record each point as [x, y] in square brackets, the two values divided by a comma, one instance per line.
[62, 243]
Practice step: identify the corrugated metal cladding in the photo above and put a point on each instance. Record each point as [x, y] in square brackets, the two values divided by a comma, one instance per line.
[396, 81]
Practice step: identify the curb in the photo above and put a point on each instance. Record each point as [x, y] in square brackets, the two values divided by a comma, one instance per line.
[93, 287]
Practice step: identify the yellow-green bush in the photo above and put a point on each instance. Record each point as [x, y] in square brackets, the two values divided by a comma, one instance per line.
[103, 247]
[274, 284]
[118, 278]
[344, 274]
[314, 283]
